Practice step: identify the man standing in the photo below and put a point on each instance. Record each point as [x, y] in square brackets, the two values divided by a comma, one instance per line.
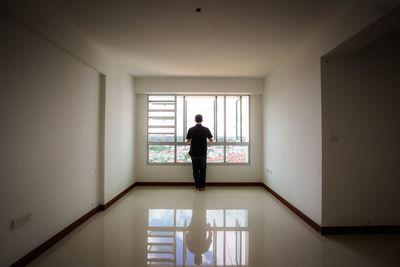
[197, 137]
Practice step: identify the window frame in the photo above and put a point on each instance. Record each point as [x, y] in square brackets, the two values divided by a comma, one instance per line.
[184, 126]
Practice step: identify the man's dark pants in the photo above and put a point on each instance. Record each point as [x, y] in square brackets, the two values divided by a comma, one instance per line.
[199, 165]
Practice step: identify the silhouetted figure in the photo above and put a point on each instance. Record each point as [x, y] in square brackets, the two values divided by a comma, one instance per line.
[197, 136]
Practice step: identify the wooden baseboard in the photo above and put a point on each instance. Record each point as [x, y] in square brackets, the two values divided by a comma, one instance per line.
[192, 184]
[233, 184]
[116, 198]
[28, 258]
[377, 229]
[304, 217]
[164, 183]
[54, 239]
[332, 230]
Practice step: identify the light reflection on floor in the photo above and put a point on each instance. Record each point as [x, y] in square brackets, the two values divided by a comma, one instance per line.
[185, 237]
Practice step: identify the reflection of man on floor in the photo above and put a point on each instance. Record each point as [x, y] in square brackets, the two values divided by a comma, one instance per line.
[199, 236]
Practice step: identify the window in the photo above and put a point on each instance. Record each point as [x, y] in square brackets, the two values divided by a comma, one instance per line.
[170, 117]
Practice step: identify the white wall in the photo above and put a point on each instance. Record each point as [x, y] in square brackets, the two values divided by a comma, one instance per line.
[189, 85]
[183, 173]
[292, 110]
[49, 94]
[361, 170]
[119, 135]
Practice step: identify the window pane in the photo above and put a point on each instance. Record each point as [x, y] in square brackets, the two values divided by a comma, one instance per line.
[161, 138]
[220, 248]
[163, 256]
[245, 248]
[161, 154]
[161, 130]
[161, 97]
[245, 119]
[230, 248]
[179, 119]
[161, 248]
[182, 154]
[161, 122]
[236, 218]
[215, 154]
[236, 248]
[215, 218]
[203, 105]
[162, 217]
[183, 217]
[161, 114]
[162, 105]
[220, 119]
[232, 119]
[151, 233]
[238, 120]
[237, 154]
[156, 239]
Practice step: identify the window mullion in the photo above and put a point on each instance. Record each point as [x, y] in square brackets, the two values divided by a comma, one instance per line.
[224, 128]
[215, 119]
[162, 126]
[184, 118]
[147, 128]
[175, 129]
[241, 120]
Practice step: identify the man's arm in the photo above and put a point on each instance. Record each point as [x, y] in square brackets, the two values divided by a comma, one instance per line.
[188, 136]
[209, 136]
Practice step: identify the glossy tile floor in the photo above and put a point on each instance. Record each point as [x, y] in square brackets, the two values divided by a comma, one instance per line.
[178, 226]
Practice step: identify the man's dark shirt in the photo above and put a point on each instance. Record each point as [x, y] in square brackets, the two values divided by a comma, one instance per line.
[198, 136]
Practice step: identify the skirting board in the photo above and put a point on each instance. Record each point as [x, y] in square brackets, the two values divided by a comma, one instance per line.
[378, 229]
[304, 217]
[192, 184]
[115, 199]
[60, 235]
[54, 239]
[327, 230]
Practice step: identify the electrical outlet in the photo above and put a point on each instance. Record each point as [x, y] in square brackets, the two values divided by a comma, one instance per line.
[17, 222]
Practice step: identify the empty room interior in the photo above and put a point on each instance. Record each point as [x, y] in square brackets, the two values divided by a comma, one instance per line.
[301, 99]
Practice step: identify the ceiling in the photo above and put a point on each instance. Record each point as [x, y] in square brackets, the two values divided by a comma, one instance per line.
[243, 38]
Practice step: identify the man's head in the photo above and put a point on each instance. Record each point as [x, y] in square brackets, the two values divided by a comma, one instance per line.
[198, 118]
